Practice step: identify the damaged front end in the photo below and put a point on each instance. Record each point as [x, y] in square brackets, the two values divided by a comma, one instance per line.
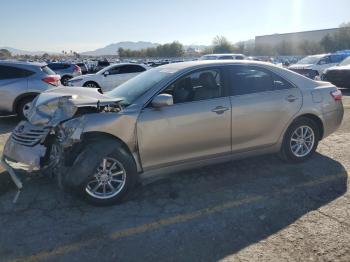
[54, 128]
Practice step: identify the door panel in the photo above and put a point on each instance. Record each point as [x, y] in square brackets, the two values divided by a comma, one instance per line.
[258, 119]
[184, 131]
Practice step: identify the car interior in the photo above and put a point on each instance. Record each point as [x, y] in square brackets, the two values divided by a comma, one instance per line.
[197, 86]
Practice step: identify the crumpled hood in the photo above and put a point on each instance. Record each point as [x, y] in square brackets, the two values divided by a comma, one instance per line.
[300, 66]
[59, 104]
[80, 96]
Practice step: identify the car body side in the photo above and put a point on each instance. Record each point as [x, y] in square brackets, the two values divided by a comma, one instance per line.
[124, 126]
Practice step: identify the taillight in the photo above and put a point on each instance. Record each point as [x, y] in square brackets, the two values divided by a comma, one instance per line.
[337, 95]
[77, 69]
[52, 80]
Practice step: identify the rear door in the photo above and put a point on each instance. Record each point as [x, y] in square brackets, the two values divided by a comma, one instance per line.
[262, 105]
[13, 82]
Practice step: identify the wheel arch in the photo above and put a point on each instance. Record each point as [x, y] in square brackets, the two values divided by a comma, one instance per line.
[316, 119]
[91, 81]
[21, 97]
[93, 135]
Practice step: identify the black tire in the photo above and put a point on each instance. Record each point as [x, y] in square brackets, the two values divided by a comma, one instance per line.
[22, 105]
[88, 162]
[286, 152]
[91, 84]
[65, 79]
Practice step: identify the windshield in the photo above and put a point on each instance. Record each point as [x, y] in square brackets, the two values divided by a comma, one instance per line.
[345, 62]
[139, 85]
[309, 60]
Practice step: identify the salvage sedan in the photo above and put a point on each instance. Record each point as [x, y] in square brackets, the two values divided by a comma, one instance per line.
[170, 118]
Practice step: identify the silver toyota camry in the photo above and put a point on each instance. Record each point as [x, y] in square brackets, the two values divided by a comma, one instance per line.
[170, 118]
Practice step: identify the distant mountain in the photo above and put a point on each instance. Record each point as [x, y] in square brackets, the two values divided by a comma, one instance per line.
[112, 49]
[15, 51]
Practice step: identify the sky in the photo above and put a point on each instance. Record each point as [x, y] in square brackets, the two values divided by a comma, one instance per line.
[84, 25]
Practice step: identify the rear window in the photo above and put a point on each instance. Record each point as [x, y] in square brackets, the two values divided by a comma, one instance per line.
[10, 72]
[58, 66]
[47, 70]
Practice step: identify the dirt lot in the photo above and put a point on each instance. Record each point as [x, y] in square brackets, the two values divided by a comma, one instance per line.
[257, 209]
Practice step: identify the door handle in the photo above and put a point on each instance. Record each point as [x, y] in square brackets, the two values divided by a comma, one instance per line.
[291, 98]
[220, 109]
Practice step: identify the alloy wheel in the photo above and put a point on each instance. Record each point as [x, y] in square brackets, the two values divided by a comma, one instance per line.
[108, 180]
[302, 141]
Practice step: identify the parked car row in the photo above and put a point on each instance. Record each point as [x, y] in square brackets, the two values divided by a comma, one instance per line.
[338, 75]
[314, 66]
[108, 77]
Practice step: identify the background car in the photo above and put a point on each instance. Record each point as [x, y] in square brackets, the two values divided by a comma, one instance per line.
[65, 70]
[338, 75]
[313, 66]
[109, 77]
[223, 57]
[100, 65]
[21, 82]
[84, 68]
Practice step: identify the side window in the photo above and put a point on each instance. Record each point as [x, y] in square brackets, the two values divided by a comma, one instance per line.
[226, 57]
[249, 79]
[281, 83]
[128, 69]
[114, 70]
[9, 72]
[200, 85]
[325, 60]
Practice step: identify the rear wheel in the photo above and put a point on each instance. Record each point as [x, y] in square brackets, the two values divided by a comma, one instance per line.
[65, 79]
[91, 85]
[300, 141]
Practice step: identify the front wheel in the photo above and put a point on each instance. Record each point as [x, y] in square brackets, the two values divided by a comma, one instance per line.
[110, 172]
[300, 141]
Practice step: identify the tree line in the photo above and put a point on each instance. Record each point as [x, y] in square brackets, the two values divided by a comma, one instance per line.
[174, 49]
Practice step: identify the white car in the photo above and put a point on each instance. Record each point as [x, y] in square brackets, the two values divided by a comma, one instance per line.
[313, 66]
[109, 77]
[223, 57]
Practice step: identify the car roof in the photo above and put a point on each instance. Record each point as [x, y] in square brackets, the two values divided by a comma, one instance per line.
[199, 63]
[222, 54]
[22, 63]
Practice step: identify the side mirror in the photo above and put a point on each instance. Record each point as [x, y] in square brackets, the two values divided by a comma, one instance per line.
[106, 73]
[162, 100]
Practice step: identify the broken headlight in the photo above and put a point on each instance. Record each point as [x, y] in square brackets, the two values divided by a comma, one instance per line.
[70, 131]
[52, 111]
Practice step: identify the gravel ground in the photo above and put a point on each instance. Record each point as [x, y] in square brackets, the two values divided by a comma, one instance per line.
[257, 209]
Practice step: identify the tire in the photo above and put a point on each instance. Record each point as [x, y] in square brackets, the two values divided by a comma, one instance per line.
[64, 80]
[91, 84]
[22, 106]
[109, 152]
[296, 147]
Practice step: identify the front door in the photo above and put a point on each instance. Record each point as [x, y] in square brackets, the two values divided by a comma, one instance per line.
[197, 125]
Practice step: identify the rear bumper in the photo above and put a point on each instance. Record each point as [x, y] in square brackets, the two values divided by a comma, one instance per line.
[332, 121]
